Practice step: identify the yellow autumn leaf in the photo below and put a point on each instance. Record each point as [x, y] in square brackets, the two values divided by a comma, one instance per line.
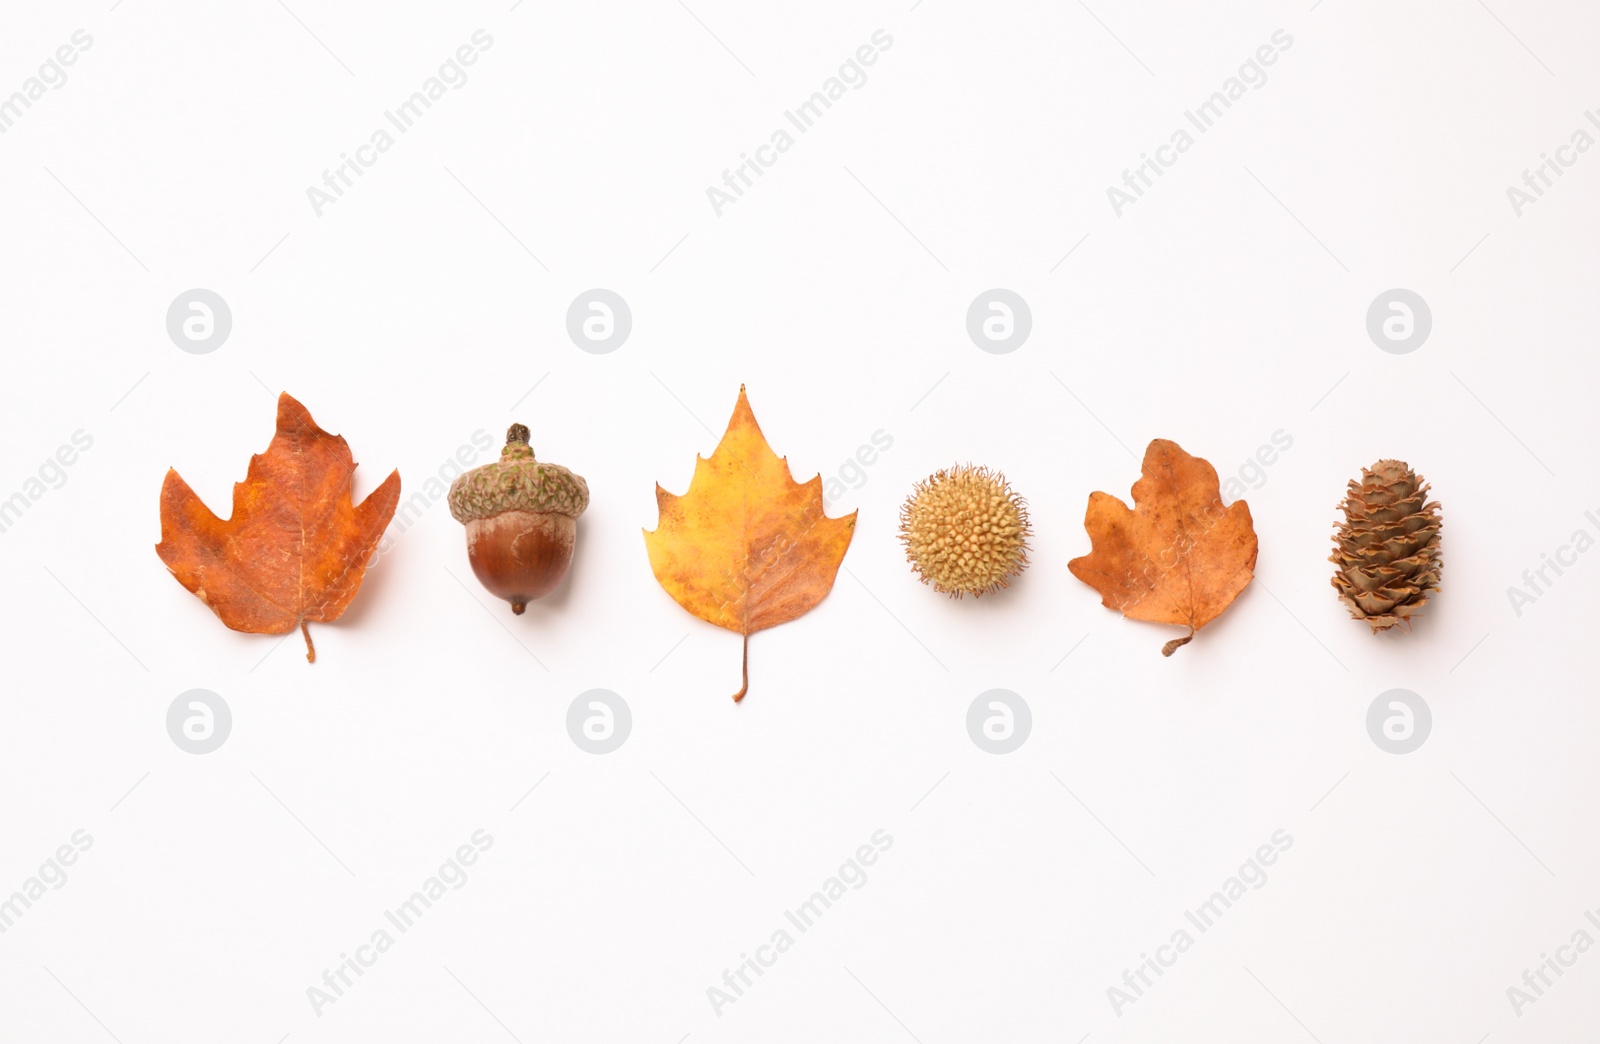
[747, 547]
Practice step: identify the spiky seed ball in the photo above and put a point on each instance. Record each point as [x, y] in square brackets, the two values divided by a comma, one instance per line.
[965, 531]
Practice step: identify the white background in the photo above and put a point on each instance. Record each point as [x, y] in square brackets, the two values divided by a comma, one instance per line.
[1225, 305]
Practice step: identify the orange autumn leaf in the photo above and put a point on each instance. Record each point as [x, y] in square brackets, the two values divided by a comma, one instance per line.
[746, 547]
[296, 547]
[1178, 556]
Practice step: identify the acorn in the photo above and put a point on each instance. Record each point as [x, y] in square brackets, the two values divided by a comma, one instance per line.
[965, 531]
[521, 516]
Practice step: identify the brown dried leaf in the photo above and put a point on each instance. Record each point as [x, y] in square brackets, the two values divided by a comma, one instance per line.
[1178, 556]
[296, 547]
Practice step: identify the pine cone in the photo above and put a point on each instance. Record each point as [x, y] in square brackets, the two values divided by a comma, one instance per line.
[1387, 550]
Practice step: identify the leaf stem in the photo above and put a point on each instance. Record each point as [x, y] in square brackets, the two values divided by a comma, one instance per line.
[745, 672]
[1177, 643]
[311, 650]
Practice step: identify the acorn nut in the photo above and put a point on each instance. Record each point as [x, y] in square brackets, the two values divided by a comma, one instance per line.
[521, 516]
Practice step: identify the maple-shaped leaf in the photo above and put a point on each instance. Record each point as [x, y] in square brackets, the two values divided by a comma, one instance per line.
[747, 547]
[1178, 556]
[296, 548]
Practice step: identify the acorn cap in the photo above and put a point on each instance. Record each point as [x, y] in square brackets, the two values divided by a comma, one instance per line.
[517, 482]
